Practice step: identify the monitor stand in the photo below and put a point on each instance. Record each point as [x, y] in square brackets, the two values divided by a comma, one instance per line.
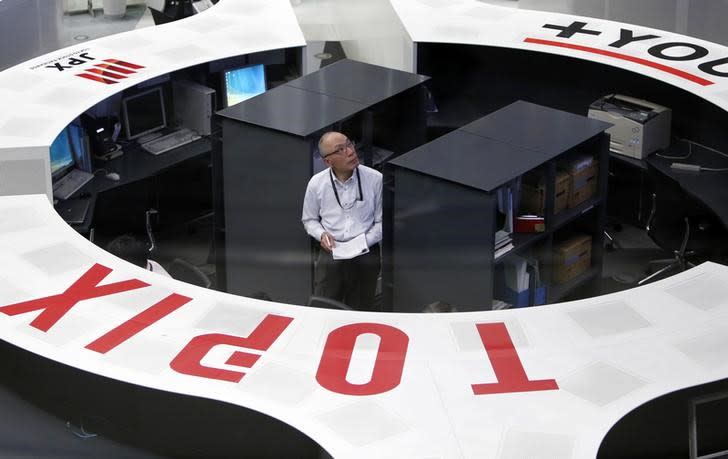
[111, 150]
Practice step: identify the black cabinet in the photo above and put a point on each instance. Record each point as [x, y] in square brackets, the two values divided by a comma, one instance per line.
[442, 208]
[269, 154]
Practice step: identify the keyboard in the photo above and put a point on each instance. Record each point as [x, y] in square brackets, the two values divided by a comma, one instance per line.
[170, 141]
[64, 187]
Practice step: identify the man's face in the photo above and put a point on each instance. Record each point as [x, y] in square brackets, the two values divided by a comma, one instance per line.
[339, 153]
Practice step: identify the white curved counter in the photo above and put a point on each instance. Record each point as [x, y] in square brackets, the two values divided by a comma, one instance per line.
[536, 382]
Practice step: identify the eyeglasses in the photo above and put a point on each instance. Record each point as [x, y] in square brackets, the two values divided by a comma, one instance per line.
[341, 148]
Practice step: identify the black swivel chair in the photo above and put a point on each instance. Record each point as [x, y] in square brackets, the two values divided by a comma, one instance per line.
[170, 10]
[179, 269]
[680, 225]
[187, 272]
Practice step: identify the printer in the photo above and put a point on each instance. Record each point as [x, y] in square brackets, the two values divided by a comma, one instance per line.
[640, 127]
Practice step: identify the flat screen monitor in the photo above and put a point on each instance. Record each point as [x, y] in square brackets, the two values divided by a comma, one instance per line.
[69, 150]
[143, 113]
[243, 83]
[201, 5]
[708, 435]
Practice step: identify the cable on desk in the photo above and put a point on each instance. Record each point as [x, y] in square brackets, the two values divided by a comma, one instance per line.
[697, 167]
[690, 152]
[691, 142]
[714, 169]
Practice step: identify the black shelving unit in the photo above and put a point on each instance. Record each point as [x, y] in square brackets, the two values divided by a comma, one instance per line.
[269, 154]
[441, 205]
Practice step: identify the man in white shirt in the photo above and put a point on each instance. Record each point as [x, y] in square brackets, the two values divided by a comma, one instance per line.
[342, 202]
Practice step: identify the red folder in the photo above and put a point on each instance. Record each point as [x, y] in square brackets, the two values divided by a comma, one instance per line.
[529, 224]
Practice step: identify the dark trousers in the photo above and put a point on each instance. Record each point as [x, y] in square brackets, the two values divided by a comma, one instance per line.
[352, 282]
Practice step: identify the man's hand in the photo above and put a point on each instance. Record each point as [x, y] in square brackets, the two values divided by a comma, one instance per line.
[327, 242]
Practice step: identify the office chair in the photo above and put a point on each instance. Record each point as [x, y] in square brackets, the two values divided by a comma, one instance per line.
[152, 243]
[678, 224]
[187, 272]
[612, 225]
[327, 303]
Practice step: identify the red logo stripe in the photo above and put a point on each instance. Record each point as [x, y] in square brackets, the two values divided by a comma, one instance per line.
[105, 73]
[124, 63]
[115, 68]
[626, 57]
[96, 78]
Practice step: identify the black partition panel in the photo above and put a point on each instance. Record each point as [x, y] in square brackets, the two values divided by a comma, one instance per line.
[268, 150]
[265, 174]
[443, 243]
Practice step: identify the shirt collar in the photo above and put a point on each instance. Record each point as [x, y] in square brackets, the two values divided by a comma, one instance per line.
[349, 180]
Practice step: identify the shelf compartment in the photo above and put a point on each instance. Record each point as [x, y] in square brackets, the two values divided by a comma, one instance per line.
[557, 292]
[568, 215]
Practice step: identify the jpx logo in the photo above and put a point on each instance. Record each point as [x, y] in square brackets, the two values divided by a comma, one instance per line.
[109, 71]
[665, 51]
[71, 62]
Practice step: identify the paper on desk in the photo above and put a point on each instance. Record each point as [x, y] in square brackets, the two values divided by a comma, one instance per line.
[350, 249]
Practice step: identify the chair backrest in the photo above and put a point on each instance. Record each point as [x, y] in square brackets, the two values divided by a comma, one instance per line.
[327, 303]
[672, 205]
[187, 272]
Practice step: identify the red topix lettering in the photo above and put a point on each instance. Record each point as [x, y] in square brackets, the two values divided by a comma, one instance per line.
[138, 323]
[265, 334]
[507, 366]
[85, 288]
[387, 372]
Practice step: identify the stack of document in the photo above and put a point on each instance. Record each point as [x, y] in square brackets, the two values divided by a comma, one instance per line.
[516, 273]
[503, 243]
[350, 249]
[499, 304]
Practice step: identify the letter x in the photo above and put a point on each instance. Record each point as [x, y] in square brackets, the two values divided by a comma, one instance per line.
[56, 306]
[573, 28]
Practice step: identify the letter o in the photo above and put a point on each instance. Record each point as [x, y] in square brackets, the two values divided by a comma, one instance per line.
[658, 51]
[336, 357]
[709, 67]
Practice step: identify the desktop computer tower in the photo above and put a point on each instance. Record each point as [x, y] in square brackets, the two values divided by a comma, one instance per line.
[194, 105]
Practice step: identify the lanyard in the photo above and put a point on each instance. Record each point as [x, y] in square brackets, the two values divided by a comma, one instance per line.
[336, 193]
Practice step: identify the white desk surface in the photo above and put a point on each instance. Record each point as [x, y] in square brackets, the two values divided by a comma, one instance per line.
[608, 355]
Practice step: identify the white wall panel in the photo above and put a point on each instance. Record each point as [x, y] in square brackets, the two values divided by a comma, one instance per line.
[371, 32]
[659, 14]
[707, 20]
[28, 28]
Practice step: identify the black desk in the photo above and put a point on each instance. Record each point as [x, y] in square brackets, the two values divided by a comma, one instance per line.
[710, 188]
[135, 165]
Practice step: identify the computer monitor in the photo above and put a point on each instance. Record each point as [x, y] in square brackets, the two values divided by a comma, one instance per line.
[707, 432]
[201, 5]
[68, 151]
[143, 113]
[243, 83]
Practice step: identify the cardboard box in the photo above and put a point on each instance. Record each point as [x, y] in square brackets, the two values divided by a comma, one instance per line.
[533, 196]
[571, 258]
[584, 175]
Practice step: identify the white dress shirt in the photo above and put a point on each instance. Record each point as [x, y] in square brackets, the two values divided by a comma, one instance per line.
[322, 212]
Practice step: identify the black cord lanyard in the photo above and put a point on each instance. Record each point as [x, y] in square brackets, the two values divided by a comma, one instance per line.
[336, 193]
